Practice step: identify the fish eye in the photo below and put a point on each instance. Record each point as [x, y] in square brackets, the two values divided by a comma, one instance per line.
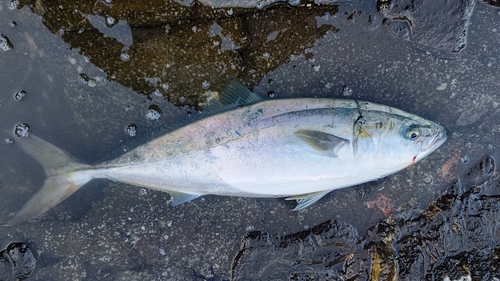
[413, 132]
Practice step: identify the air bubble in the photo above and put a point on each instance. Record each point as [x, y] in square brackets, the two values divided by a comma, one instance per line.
[168, 29]
[5, 43]
[110, 21]
[9, 141]
[20, 95]
[294, 2]
[108, 1]
[154, 112]
[182, 99]
[124, 57]
[106, 259]
[270, 94]
[266, 55]
[128, 108]
[346, 91]
[131, 130]
[22, 130]
[165, 87]
[91, 83]
[13, 24]
[230, 12]
[143, 191]
[205, 85]
[157, 93]
[83, 78]
[14, 4]
[260, 5]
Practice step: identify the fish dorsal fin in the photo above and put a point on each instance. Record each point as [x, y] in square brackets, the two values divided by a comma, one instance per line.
[323, 142]
[306, 200]
[236, 94]
[180, 197]
[231, 96]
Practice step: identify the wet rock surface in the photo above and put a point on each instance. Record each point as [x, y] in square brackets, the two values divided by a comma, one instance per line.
[455, 237]
[17, 262]
[422, 21]
[325, 252]
[83, 64]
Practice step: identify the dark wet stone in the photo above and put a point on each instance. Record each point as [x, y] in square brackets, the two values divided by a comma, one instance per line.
[457, 236]
[16, 262]
[481, 173]
[495, 3]
[439, 24]
[323, 252]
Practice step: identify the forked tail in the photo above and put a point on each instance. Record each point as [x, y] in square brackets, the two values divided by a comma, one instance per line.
[64, 176]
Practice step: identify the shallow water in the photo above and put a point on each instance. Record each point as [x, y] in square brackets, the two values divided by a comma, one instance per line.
[82, 92]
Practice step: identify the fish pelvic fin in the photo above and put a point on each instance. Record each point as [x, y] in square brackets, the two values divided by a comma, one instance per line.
[64, 176]
[306, 200]
[180, 197]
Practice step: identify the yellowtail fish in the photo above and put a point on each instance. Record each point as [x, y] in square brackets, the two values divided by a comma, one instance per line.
[300, 149]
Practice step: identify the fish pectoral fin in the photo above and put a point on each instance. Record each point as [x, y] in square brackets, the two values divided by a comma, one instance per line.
[236, 94]
[306, 200]
[323, 142]
[180, 197]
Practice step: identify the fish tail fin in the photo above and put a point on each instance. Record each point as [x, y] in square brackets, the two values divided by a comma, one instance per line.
[64, 176]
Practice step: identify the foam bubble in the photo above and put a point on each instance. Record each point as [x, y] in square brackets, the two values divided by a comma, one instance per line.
[20, 95]
[131, 130]
[5, 43]
[22, 130]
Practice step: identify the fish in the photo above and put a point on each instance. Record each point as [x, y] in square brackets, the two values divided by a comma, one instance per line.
[298, 148]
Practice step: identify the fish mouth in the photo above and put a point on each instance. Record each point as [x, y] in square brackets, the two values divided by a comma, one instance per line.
[436, 142]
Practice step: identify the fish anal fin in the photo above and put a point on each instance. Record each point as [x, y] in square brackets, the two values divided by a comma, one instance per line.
[323, 142]
[306, 200]
[180, 197]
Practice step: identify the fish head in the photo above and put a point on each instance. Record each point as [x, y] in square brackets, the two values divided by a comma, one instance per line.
[386, 140]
